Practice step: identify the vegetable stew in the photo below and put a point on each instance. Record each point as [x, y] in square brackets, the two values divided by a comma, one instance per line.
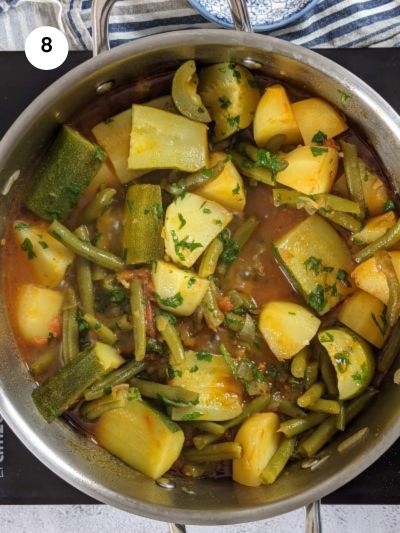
[202, 274]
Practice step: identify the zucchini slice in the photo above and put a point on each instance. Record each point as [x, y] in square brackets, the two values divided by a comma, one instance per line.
[352, 359]
[220, 395]
[141, 436]
[66, 170]
[317, 261]
[184, 93]
[375, 228]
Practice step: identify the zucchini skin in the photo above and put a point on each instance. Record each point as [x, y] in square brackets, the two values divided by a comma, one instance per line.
[61, 390]
[143, 220]
[64, 173]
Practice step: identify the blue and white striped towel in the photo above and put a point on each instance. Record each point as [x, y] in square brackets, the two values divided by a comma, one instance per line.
[332, 23]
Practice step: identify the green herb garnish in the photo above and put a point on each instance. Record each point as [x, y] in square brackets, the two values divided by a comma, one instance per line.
[319, 137]
[27, 247]
[172, 301]
[318, 150]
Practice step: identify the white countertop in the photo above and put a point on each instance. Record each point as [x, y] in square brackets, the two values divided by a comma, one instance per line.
[102, 518]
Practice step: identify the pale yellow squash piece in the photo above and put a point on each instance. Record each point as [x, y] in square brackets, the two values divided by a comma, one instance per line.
[352, 359]
[220, 395]
[367, 277]
[310, 170]
[170, 281]
[160, 139]
[108, 355]
[363, 313]
[274, 116]
[287, 328]
[227, 189]
[141, 436]
[191, 223]
[36, 310]
[314, 115]
[376, 193]
[375, 228]
[48, 257]
[113, 134]
[259, 439]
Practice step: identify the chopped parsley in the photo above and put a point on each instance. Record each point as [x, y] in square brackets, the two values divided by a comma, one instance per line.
[319, 137]
[27, 247]
[343, 277]
[313, 264]
[43, 244]
[234, 121]
[172, 301]
[206, 211]
[361, 376]
[218, 222]
[53, 411]
[191, 416]
[389, 206]
[171, 373]
[235, 73]
[116, 296]
[230, 252]
[194, 369]
[342, 360]
[129, 205]
[343, 96]
[326, 337]
[21, 225]
[316, 299]
[224, 102]
[181, 220]
[236, 190]
[204, 356]
[318, 150]
[99, 153]
[192, 281]
[201, 109]
[169, 316]
[183, 244]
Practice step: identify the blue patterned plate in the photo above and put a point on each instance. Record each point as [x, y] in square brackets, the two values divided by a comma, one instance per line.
[264, 14]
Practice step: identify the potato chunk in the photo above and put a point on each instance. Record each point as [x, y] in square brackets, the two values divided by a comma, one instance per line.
[259, 439]
[314, 115]
[49, 258]
[38, 311]
[191, 223]
[178, 291]
[310, 170]
[367, 277]
[164, 140]
[274, 116]
[287, 328]
[375, 228]
[227, 189]
[375, 192]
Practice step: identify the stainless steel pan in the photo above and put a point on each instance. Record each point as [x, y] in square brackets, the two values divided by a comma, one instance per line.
[71, 455]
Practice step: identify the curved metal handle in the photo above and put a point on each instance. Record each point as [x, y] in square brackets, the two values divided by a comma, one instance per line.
[177, 528]
[313, 518]
[100, 13]
[240, 15]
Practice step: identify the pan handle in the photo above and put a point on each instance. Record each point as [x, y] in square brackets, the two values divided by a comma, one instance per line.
[100, 13]
[240, 15]
[313, 518]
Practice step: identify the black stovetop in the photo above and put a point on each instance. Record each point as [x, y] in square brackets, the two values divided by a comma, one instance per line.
[23, 479]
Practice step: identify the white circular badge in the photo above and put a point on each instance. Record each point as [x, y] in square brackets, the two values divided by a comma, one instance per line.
[46, 48]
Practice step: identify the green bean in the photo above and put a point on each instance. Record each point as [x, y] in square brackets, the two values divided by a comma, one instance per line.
[331, 407]
[318, 438]
[199, 178]
[171, 337]
[311, 374]
[295, 426]
[138, 319]
[278, 461]
[210, 258]
[70, 329]
[311, 395]
[121, 323]
[240, 299]
[98, 205]
[209, 427]
[234, 321]
[344, 220]
[246, 167]
[299, 363]
[391, 237]
[389, 352]
[212, 313]
[84, 275]
[44, 361]
[243, 233]
[328, 373]
[170, 395]
[384, 263]
[322, 202]
[121, 375]
[85, 249]
[104, 333]
[355, 407]
[258, 404]
[290, 409]
[118, 398]
[198, 316]
[214, 452]
[341, 420]
[275, 143]
[353, 177]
